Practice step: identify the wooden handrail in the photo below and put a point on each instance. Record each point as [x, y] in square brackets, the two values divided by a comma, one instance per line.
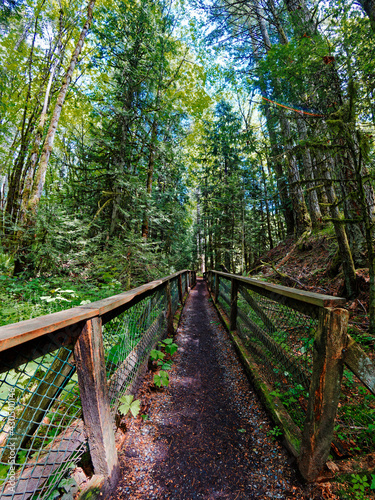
[312, 446]
[80, 329]
[18, 333]
[315, 299]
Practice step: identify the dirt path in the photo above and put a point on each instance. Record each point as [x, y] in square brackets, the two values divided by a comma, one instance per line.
[207, 436]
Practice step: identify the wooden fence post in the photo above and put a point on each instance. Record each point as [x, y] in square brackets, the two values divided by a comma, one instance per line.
[233, 303]
[170, 329]
[180, 294]
[217, 287]
[186, 282]
[92, 381]
[328, 364]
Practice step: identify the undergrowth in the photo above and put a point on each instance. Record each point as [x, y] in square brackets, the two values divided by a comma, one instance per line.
[23, 298]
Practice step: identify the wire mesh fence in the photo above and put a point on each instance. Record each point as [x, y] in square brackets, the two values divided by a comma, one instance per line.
[183, 284]
[174, 295]
[297, 341]
[129, 338]
[42, 435]
[224, 294]
[280, 340]
[355, 420]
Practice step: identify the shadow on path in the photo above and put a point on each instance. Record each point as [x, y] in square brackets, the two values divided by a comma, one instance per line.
[206, 437]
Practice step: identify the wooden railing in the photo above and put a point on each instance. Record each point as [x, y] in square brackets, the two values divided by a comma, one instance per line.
[104, 367]
[273, 328]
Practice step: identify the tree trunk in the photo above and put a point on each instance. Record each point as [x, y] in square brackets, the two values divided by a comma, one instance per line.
[275, 148]
[150, 173]
[312, 196]
[47, 149]
[35, 150]
[269, 229]
[369, 7]
[342, 240]
[301, 214]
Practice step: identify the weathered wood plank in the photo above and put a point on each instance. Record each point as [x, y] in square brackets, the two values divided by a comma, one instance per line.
[99, 423]
[18, 333]
[233, 304]
[329, 344]
[311, 298]
[24, 331]
[38, 470]
[360, 364]
[41, 399]
[33, 349]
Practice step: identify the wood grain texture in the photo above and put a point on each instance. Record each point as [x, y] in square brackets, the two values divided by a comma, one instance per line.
[328, 366]
[99, 423]
[33, 349]
[24, 331]
[312, 298]
[360, 364]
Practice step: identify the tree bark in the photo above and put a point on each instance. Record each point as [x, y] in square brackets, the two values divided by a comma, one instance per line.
[342, 240]
[47, 149]
[369, 7]
[312, 196]
[150, 174]
[301, 214]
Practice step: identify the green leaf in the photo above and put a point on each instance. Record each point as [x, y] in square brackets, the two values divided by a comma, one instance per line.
[155, 354]
[123, 409]
[171, 349]
[157, 380]
[135, 408]
[129, 405]
[161, 379]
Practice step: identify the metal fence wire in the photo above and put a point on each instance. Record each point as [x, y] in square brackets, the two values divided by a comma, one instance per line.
[42, 437]
[355, 420]
[174, 295]
[128, 339]
[184, 284]
[280, 340]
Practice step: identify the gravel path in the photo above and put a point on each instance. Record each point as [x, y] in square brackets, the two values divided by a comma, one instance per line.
[207, 436]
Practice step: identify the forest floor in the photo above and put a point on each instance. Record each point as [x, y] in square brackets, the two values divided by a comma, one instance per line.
[207, 435]
[308, 268]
